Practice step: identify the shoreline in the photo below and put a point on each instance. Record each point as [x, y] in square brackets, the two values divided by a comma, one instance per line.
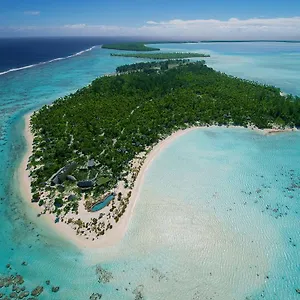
[63, 230]
[111, 237]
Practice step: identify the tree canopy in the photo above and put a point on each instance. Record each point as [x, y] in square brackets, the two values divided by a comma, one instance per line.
[162, 55]
[116, 117]
[134, 46]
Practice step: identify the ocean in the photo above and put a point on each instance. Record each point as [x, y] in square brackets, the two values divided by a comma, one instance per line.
[218, 214]
[17, 53]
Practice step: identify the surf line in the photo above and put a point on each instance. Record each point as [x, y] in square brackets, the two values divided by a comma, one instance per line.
[47, 62]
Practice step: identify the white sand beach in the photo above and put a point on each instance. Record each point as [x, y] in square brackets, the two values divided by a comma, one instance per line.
[113, 236]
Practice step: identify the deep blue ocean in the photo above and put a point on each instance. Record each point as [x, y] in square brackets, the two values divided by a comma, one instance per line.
[21, 52]
[218, 214]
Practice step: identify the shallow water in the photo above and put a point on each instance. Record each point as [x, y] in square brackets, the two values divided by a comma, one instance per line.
[271, 63]
[224, 202]
[229, 219]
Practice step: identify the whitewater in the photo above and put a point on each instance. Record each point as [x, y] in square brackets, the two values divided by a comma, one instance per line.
[49, 61]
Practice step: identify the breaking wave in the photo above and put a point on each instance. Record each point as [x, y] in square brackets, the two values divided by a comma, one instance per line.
[47, 62]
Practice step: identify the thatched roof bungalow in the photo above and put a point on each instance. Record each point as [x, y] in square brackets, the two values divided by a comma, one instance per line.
[61, 175]
[85, 184]
[72, 197]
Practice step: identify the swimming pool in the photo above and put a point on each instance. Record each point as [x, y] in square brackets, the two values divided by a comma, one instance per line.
[103, 203]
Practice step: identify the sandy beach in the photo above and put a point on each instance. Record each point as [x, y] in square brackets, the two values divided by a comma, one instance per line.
[114, 235]
[23, 177]
[111, 237]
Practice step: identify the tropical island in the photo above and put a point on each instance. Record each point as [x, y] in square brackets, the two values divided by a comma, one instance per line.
[163, 55]
[130, 47]
[89, 147]
[139, 46]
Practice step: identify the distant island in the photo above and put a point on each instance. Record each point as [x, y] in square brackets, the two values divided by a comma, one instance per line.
[89, 147]
[162, 55]
[129, 47]
[139, 46]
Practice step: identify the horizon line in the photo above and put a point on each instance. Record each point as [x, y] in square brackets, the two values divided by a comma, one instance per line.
[146, 39]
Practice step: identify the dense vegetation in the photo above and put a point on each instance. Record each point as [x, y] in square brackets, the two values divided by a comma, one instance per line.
[161, 55]
[151, 67]
[117, 117]
[130, 47]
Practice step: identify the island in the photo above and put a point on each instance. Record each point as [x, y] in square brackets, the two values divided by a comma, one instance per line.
[88, 151]
[139, 46]
[133, 46]
[162, 55]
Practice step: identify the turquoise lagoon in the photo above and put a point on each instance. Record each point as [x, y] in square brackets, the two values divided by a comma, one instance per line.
[218, 214]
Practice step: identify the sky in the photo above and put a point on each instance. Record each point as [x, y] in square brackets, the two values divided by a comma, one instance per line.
[177, 19]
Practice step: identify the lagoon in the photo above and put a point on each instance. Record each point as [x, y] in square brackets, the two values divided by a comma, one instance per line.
[217, 216]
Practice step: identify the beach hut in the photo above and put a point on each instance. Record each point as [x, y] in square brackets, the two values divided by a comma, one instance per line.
[91, 163]
[71, 197]
[55, 180]
[67, 170]
[85, 184]
[61, 175]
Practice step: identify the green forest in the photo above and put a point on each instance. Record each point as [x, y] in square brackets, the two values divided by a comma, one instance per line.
[162, 55]
[130, 47]
[116, 117]
[152, 66]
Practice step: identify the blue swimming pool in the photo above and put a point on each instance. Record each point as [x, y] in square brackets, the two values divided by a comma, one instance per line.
[102, 204]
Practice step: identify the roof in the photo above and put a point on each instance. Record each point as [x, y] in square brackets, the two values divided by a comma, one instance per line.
[55, 180]
[71, 197]
[68, 169]
[61, 175]
[71, 178]
[85, 183]
[91, 163]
